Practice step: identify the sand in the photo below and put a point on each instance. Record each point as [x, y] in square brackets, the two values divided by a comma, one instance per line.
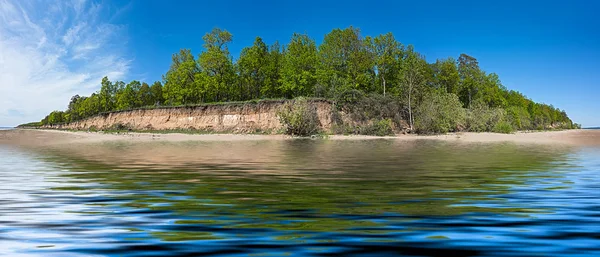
[29, 137]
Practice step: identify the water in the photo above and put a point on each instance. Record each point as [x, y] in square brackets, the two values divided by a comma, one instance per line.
[300, 198]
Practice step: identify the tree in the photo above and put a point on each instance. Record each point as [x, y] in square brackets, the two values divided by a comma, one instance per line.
[387, 52]
[217, 68]
[345, 60]
[492, 91]
[446, 75]
[273, 72]
[180, 80]
[299, 66]
[107, 95]
[468, 69]
[252, 67]
[156, 93]
[144, 95]
[412, 74]
[127, 97]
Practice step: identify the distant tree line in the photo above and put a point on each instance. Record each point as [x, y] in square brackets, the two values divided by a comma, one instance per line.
[447, 95]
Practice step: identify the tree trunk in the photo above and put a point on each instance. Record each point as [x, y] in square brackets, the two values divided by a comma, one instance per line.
[469, 98]
[410, 118]
[382, 77]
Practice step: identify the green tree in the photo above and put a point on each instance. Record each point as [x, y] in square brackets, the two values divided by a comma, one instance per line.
[470, 74]
[298, 72]
[387, 52]
[107, 95]
[180, 80]
[144, 95]
[127, 97]
[446, 75]
[252, 67]
[273, 72]
[345, 62]
[492, 91]
[217, 68]
[413, 78]
[156, 93]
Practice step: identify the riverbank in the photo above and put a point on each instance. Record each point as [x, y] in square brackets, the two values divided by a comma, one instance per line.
[31, 137]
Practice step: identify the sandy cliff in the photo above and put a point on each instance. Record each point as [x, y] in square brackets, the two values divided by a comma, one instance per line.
[230, 117]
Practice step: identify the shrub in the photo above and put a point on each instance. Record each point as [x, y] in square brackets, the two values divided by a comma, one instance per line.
[519, 117]
[380, 128]
[441, 113]
[503, 127]
[383, 128]
[482, 118]
[299, 117]
[365, 108]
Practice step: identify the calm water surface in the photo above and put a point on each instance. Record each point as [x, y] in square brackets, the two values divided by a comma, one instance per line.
[300, 198]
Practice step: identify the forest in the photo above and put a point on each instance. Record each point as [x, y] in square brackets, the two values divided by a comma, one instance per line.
[375, 76]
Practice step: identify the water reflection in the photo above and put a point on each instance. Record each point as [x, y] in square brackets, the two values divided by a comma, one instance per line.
[300, 197]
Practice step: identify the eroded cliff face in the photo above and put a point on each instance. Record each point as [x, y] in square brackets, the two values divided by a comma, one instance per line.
[227, 118]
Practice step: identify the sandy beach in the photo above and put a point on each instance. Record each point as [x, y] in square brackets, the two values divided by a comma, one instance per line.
[29, 137]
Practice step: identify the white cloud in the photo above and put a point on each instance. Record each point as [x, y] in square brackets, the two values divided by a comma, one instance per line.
[50, 51]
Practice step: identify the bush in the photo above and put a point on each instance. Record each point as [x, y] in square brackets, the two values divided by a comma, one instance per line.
[503, 127]
[482, 118]
[299, 117]
[380, 128]
[519, 117]
[365, 108]
[441, 113]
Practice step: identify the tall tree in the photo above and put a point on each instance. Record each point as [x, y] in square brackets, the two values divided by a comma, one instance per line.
[127, 97]
[345, 59]
[217, 67]
[299, 66]
[273, 68]
[413, 77]
[470, 74]
[156, 91]
[180, 80]
[107, 94]
[445, 75]
[144, 95]
[252, 66]
[387, 52]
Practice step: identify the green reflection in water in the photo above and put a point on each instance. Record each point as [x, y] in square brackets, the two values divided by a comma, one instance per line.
[310, 186]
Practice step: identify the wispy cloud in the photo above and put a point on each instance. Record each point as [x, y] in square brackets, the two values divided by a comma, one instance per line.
[50, 51]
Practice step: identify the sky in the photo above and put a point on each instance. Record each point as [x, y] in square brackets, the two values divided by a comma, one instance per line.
[52, 50]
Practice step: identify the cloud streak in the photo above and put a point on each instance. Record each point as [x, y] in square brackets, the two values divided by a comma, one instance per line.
[50, 51]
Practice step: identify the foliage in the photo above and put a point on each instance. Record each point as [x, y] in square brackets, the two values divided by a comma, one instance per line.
[413, 75]
[298, 71]
[441, 113]
[371, 78]
[363, 107]
[503, 127]
[34, 124]
[299, 117]
[482, 118]
[383, 127]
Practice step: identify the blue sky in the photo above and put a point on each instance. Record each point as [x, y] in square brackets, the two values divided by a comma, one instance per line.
[49, 51]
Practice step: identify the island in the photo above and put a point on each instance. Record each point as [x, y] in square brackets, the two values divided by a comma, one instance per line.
[350, 84]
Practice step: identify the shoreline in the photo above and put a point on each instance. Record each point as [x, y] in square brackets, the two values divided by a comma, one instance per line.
[41, 137]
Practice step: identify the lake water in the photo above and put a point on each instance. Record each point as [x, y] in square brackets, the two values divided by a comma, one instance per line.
[300, 198]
